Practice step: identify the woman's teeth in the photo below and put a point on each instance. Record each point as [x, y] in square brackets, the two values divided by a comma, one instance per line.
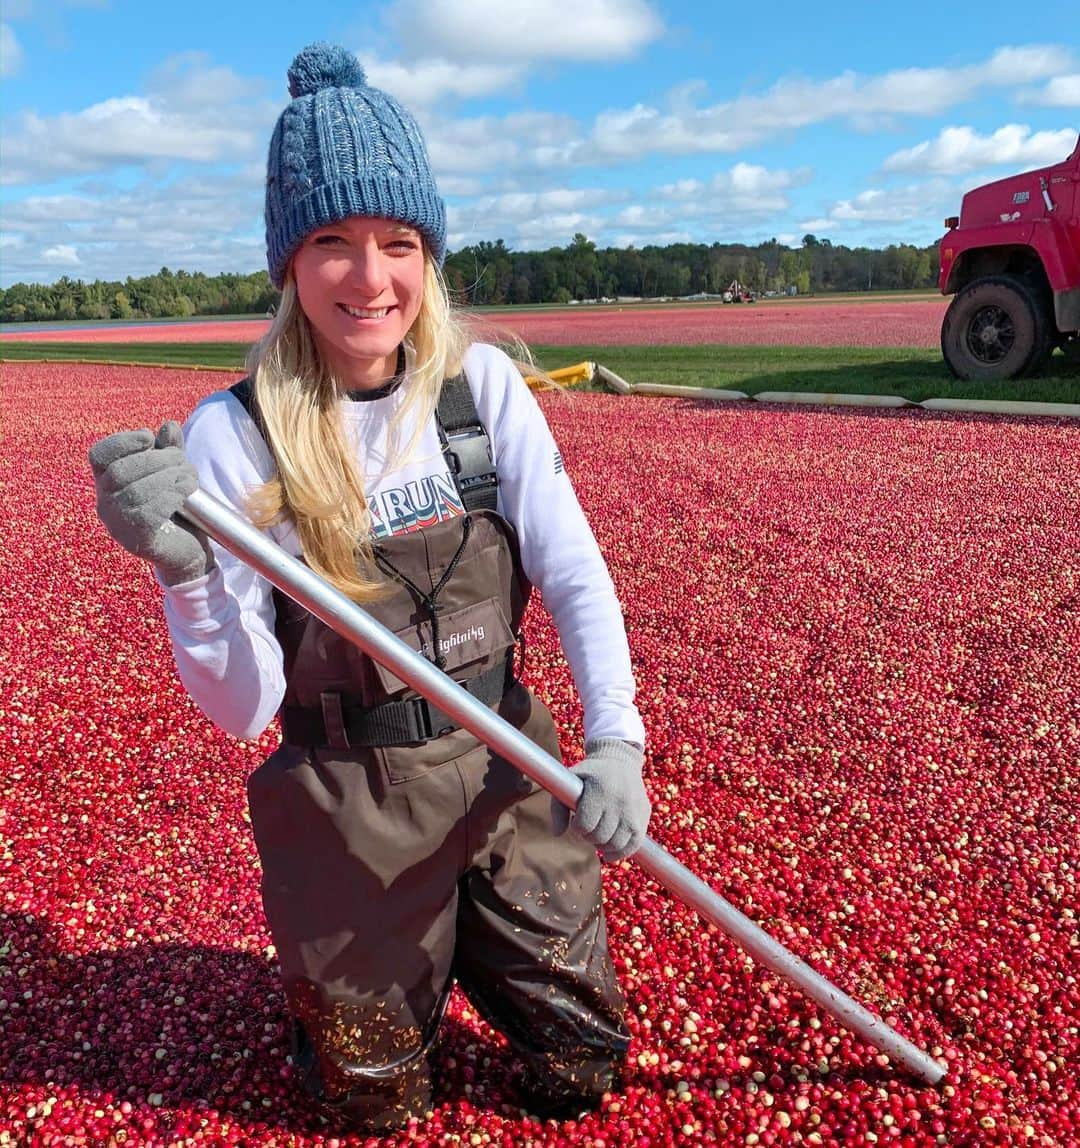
[364, 312]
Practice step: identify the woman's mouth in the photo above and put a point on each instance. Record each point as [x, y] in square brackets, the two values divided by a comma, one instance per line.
[364, 312]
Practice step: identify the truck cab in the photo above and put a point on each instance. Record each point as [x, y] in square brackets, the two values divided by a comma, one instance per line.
[1011, 259]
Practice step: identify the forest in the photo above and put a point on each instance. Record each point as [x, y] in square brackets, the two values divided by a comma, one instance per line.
[490, 274]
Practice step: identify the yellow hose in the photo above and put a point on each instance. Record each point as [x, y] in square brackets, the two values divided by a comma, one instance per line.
[564, 376]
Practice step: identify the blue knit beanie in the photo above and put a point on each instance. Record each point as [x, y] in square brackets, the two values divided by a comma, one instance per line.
[343, 148]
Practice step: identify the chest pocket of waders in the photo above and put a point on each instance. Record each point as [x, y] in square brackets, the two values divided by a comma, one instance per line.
[455, 595]
[457, 584]
[477, 647]
[471, 641]
[458, 594]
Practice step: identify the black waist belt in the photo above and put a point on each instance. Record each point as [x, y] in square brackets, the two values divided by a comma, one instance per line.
[393, 723]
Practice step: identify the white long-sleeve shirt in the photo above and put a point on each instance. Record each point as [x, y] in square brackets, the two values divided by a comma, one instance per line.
[222, 624]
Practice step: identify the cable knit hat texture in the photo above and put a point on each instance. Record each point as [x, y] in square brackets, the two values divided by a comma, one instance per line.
[344, 148]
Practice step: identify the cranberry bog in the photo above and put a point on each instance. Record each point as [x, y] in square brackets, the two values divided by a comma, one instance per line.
[900, 322]
[857, 641]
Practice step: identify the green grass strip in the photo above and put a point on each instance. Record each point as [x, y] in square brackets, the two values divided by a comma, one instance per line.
[229, 355]
[914, 373]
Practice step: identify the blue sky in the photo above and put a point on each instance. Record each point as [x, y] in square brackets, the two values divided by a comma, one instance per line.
[133, 134]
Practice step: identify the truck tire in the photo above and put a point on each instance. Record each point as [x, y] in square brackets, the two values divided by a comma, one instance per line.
[996, 328]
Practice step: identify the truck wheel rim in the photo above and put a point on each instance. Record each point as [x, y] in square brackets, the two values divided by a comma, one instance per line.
[991, 334]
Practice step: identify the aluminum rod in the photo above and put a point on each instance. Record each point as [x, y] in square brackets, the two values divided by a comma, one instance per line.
[348, 619]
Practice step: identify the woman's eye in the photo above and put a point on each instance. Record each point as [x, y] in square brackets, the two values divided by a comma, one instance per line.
[325, 240]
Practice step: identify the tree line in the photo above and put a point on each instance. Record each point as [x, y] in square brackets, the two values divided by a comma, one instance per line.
[166, 295]
[488, 274]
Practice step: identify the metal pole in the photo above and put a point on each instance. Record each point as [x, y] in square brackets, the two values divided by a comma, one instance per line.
[346, 618]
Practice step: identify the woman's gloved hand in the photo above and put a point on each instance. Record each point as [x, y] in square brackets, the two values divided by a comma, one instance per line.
[141, 482]
[613, 810]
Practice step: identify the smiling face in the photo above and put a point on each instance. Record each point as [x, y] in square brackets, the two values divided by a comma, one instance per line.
[360, 283]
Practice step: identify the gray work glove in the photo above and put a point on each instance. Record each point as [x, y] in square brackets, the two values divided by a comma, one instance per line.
[142, 482]
[613, 810]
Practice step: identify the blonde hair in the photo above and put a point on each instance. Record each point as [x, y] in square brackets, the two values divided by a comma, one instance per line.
[318, 483]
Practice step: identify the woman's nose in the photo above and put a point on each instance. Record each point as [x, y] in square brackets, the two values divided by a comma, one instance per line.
[367, 268]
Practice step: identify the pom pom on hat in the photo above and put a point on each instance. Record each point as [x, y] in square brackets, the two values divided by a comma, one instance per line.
[321, 66]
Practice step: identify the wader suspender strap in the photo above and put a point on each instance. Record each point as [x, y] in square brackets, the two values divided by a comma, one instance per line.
[466, 445]
[244, 393]
[467, 448]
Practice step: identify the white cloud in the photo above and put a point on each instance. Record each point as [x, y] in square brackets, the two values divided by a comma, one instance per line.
[555, 230]
[529, 205]
[125, 130]
[1060, 92]
[919, 203]
[192, 113]
[11, 54]
[690, 211]
[731, 203]
[631, 133]
[534, 141]
[189, 80]
[866, 102]
[528, 219]
[958, 150]
[62, 254]
[525, 30]
[469, 147]
[460, 185]
[628, 133]
[746, 189]
[1026, 65]
[208, 224]
[877, 206]
[425, 82]
[46, 210]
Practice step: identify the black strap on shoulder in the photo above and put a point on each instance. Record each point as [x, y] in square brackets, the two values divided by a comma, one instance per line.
[466, 445]
[244, 393]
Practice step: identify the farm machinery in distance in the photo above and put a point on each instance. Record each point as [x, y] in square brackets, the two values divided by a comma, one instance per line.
[736, 292]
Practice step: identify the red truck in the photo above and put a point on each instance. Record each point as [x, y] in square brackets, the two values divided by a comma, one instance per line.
[1012, 261]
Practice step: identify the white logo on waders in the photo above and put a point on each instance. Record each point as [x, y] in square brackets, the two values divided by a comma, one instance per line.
[472, 634]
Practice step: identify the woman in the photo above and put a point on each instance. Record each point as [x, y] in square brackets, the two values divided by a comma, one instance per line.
[417, 474]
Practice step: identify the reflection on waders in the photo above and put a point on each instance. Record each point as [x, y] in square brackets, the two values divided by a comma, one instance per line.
[399, 853]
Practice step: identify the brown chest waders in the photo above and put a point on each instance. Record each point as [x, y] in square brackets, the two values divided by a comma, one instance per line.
[399, 853]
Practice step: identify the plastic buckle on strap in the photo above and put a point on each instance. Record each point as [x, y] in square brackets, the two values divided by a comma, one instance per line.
[421, 726]
[419, 720]
[469, 453]
[337, 736]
